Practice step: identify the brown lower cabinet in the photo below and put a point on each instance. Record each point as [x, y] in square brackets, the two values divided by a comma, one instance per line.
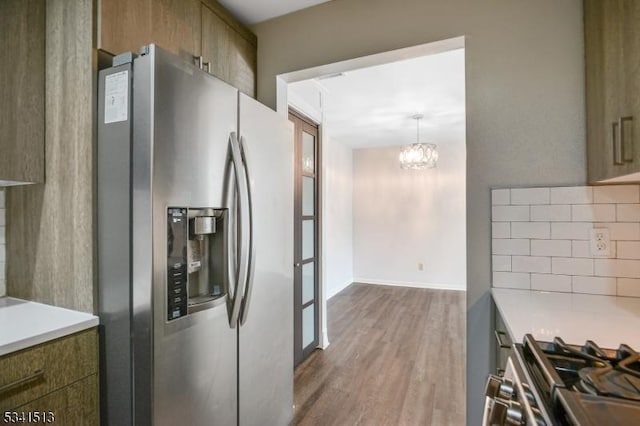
[76, 404]
[57, 380]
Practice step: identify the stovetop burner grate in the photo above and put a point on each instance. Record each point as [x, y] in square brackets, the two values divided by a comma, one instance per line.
[592, 370]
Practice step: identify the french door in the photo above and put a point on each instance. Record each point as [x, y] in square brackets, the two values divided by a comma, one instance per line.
[306, 304]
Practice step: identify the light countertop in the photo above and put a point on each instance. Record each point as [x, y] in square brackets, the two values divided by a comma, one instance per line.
[607, 320]
[24, 324]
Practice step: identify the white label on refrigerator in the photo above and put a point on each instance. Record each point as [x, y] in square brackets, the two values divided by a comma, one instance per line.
[116, 96]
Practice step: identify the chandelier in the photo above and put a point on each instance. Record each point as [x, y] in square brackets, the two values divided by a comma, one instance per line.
[419, 156]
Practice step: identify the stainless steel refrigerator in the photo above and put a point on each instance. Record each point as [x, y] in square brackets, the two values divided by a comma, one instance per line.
[195, 231]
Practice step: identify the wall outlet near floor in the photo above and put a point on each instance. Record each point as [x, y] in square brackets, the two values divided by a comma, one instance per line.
[600, 242]
[420, 266]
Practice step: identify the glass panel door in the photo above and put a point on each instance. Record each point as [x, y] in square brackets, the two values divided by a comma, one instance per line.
[306, 330]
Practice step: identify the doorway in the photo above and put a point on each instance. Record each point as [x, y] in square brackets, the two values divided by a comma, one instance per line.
[306, 236]
[365, 107]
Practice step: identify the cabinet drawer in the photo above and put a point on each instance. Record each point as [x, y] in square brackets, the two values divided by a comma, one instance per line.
[34, 372]
[76, 404]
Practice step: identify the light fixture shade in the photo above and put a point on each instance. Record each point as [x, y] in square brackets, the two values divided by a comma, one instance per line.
[419, 156]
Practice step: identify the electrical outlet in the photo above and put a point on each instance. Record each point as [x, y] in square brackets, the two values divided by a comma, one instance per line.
[420, 266]
[600, 242]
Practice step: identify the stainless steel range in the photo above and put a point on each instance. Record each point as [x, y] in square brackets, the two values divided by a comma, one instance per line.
[553, 383]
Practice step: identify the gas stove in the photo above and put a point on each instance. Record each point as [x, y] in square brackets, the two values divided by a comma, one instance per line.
[554, 383]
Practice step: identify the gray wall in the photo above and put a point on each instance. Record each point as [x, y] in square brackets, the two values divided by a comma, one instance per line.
[525, 102]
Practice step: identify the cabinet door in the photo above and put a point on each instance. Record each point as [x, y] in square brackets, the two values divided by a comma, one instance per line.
[231, 53]
[630, 69]
[595, 89]
[612, 70]
[125, 25]
[176, 26]
[22, 74]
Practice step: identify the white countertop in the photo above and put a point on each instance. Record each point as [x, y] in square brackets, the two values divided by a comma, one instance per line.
[607, 320]
[24, 324]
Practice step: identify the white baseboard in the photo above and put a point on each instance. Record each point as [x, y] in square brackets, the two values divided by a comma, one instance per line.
[434, 286]
[324, 344]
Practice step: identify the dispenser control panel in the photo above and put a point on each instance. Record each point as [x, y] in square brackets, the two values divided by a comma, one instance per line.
[177, 232]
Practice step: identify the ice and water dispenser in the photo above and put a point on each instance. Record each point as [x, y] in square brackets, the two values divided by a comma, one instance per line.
[196, 259]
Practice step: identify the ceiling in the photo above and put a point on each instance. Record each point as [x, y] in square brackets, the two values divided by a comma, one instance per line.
[373, 106]
[251, 12]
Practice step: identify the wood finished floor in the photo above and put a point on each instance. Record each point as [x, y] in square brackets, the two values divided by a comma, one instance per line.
[396, 357]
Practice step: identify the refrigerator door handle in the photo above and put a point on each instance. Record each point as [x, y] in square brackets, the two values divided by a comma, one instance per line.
[241, 187]
[252, 248]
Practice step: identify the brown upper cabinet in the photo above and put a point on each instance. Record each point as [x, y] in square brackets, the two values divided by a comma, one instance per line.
[193, 29]
[22, 85]
[612, 55]
[230, 48]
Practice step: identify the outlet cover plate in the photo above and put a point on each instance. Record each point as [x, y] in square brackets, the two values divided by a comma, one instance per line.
[600, 242]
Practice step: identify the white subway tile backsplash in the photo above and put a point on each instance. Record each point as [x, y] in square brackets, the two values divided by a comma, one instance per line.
[616, 194]
[570, 230]
[628, 287]
[510, 213]
[572, 195]
[530, 196]
[559, 248]
[549, 282]
[621, 231]
[500, 196]
[628, 213]
[512, 280]
[501, 263]
[571, 266]
[1, 198]
[540, 230]
[593, 213]
[581, 249]
[594, 285]
[617, 268]
[501, 230]
[541, 239]
[510, 246]
[628, 250]
[2, 219]
[531, 264]
[559, 213]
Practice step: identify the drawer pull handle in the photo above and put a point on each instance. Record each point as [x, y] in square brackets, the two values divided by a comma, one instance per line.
[37, 375]
[499, 335]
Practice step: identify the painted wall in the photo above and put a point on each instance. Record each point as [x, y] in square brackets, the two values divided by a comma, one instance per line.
[338, 216]
[403, 217]
[524, 102]
[3, 246]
